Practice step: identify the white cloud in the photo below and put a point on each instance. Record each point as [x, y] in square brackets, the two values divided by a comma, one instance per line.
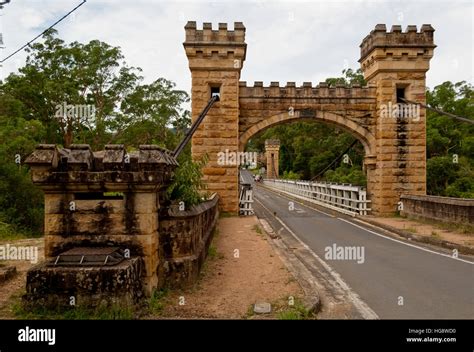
[287, 41]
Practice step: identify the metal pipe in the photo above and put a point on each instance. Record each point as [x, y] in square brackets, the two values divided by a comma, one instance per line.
[194, 126]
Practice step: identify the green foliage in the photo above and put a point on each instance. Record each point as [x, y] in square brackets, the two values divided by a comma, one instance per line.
[290, 175]
[21, 203]
[295, 312]
[157, 303]
[343, 174]
[93, 74]
[187, 185]
[350, 77]
[114, 312]
[308, 148]
[450, 143]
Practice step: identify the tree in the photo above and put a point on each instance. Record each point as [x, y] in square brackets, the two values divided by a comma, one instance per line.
[34, 108]
[73, 75]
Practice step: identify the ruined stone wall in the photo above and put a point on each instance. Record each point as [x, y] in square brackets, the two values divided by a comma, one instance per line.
[113, 202]
[453, 210]
[78, 211]
[185, 237]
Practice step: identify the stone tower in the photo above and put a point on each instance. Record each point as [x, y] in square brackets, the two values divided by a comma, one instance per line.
[272, 151]
[396, 62]
[215, 60]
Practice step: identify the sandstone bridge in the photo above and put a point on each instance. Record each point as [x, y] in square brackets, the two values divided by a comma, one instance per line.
[394, 64]
[111, 235]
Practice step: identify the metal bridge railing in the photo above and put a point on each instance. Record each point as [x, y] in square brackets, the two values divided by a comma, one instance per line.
[246, 199]
[345, 198]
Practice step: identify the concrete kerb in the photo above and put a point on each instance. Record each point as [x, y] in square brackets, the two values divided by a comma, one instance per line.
[311, 300]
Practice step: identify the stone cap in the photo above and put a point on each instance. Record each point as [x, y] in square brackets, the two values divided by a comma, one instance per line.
[154, 155]
[272, 142]
[78, 164]
[44, 156]
[411, 38]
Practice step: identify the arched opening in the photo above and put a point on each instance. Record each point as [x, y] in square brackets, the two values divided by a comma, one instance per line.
[335, 149]
[362, 134]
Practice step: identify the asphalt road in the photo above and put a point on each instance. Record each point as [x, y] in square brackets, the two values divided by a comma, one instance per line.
[396, 280]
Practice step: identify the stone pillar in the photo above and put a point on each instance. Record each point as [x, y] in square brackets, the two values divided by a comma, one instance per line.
[272, 150]
[108, 199]
[215, 60]
[396, 62]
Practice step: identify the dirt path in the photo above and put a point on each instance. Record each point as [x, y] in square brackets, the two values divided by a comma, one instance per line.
[15, 286]
[243, 269]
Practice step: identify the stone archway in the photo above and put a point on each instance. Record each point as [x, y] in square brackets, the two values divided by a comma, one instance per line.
[363, 135]
[394, 64]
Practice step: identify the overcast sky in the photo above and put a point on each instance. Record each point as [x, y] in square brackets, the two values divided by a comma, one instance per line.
[287, 41]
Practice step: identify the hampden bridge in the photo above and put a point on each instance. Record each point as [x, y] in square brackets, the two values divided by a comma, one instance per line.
[111, 235]
[393, 62]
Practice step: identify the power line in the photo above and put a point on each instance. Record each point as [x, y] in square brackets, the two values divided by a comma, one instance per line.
[456, 117]
[47, 29]
[3, 3]
[335, 160]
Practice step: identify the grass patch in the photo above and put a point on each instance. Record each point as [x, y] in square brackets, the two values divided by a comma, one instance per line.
[463, 229]
[212, 252]
[296, 311]
[283, 310]
[411, 229]
[257, 229]
[114, 312]
[10, 232]
[435, 234]
[226, 214]
[157, 301]
[250, 313]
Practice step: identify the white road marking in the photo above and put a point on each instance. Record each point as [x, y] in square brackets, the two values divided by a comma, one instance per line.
[388, 237]
[407, 244]
[361, 306]
[300, 203]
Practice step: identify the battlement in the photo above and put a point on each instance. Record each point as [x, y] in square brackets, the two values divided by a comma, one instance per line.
[410, 39]
[202, 44]
[221, 35]
[272, 143]
[307, 90]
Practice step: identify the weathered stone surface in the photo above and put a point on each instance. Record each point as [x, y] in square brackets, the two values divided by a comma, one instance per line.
[453, 210]
[52, 287]
[272, 151]
[389, 60]
[7, 272]
[185, 237]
